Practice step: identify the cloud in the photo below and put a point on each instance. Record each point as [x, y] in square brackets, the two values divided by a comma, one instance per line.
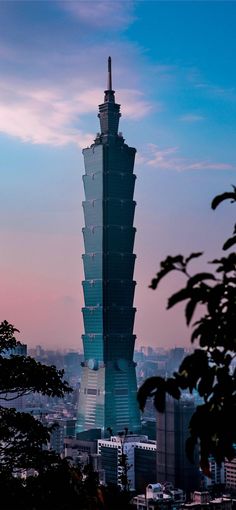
[100, 13]
[45, 96]
[191, 118]
[211, 90]
[133, 103]
[50, 114]
[40, 116]
[228, 94]
[169, 159]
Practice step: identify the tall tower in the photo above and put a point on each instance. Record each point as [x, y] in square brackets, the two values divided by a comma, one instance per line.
[172, 431]
[108, 386]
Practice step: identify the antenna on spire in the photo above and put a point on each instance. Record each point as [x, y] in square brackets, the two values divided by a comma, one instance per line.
[109, 93]
[109, 77]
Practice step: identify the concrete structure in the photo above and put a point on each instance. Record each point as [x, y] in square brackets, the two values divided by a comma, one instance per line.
[201, 500]
[108, 387]
[79, 449]
[159, 496]
[172, 432]
[217, 474]
[140, 454]
[230, 473]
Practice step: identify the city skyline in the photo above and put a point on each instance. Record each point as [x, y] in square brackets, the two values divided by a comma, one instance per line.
[175, 78]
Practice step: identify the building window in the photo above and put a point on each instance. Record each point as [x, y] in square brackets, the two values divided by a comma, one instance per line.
[91, 391]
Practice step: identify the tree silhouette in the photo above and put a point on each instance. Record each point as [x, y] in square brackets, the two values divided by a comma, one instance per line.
[53, 483]
[209, 370]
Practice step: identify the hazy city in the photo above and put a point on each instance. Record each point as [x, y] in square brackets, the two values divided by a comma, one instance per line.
[118, 264]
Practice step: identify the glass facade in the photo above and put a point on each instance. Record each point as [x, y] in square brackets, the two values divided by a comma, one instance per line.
[108, 284]
[172, 432]
[144, 468]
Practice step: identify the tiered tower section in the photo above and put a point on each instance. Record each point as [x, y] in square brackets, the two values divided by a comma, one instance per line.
[108, 386]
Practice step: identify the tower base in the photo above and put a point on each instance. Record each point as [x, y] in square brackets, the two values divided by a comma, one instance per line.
[108, 398]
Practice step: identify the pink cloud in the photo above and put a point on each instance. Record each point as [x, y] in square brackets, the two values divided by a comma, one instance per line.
[41, 116]
[48, 114]
[169, 159]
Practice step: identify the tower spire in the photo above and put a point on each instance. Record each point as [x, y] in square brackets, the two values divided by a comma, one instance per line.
[109, 93]
[109, 111]
[109, 77]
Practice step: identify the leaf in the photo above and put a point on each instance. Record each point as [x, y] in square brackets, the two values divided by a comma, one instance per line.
[195, 364]
[147, 389]
[189, 310]
[206, 383]
[214, 299]
[160, 400]
[182, 379]
[167, 265]
[215, 261]
[194, 256]
[177, 259]
[159, 276]
[230, 242]
[224, 196]
[197, 332]
[172, 388]
[226, 264]
[217, 356]
[177, 297]
[199, 278]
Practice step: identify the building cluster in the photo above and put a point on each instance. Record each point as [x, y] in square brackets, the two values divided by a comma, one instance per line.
[165, 497]
[155, 457]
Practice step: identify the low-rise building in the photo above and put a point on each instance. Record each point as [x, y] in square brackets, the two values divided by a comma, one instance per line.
[201, 500]
[140, 459]
[230, 474]
[161, 496]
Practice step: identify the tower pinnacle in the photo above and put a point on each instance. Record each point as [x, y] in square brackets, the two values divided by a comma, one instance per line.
[109, 77]
[109, 93]
[109, 110]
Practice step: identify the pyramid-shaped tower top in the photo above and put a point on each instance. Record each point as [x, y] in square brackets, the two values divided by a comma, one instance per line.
[109, 111]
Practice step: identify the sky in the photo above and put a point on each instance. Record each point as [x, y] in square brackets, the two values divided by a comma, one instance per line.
[175, 77]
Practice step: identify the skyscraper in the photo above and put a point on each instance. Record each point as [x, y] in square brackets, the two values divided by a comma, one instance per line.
[172, 431]
[108, 386]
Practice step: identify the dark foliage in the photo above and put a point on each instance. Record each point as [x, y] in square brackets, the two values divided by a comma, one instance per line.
[22, 436]
[209, 369]
[22, 374]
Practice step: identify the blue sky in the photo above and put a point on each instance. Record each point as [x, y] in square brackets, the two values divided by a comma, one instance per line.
[174, 75]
